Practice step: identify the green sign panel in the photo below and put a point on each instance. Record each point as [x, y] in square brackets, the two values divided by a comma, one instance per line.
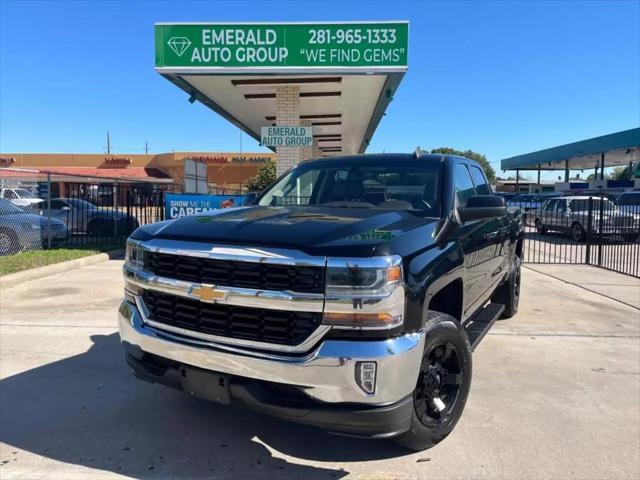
[282, 136]
[282, 45]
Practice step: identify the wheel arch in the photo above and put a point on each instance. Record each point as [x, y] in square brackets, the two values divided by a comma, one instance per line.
[449, 299]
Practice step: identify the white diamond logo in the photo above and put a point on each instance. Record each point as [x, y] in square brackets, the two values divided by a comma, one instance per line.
[179, 44]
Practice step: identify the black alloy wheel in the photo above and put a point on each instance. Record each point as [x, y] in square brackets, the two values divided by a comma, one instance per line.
[439, 383]
[442, 384]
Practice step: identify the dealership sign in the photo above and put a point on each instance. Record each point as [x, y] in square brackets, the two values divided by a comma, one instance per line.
[293, 45]
[282, 136]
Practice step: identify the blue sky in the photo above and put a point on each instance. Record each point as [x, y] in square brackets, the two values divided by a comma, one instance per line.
[501, 77]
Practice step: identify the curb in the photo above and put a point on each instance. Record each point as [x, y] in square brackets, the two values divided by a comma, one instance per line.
[13, 279]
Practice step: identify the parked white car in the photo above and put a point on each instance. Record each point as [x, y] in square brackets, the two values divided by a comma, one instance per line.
[21, 197]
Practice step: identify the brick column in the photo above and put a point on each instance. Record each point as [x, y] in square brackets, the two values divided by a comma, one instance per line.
[307, 152]
[288, 114]
[316, 153]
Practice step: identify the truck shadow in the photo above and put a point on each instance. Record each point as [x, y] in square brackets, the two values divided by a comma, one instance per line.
[89, 410]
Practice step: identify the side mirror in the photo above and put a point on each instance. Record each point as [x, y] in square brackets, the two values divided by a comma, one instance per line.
[483, 207]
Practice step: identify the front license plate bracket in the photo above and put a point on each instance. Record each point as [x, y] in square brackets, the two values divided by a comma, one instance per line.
[206, 385]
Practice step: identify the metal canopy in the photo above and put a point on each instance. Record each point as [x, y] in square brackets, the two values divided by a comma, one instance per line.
[619, 148]
[346, 75]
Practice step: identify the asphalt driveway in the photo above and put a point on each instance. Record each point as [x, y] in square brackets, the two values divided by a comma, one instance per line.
[555, 394]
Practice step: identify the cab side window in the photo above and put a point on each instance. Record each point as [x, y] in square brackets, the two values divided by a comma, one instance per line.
[550, 206]
[462, 184]
[562, 206]
[479, 179]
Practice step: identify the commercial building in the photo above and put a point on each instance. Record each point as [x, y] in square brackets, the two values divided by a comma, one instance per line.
[226, 172]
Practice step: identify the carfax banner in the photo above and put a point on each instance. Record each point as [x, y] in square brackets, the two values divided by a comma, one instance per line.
[181, 205]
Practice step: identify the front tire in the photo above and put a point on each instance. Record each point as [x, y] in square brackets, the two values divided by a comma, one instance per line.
[540, 228]
[443, 383]
[577, 233]
[9, 243]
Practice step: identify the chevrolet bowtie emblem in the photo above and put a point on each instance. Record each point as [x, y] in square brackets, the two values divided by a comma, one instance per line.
[207, 293]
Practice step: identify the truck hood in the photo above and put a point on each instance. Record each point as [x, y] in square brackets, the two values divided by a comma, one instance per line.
[315, 230]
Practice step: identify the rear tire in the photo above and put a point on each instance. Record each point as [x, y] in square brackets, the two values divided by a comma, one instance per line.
[508, 294]
[443, 383]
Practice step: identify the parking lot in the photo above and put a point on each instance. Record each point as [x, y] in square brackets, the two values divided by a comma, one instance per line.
[555, 394]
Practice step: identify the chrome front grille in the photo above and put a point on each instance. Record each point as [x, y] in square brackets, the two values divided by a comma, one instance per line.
[281, 327]
[232, 273]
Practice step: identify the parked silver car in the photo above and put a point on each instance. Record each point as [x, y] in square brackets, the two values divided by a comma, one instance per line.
[20, 230]
[574, 216]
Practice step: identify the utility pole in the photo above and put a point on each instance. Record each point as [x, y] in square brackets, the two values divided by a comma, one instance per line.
[146, 146]
[108, 146]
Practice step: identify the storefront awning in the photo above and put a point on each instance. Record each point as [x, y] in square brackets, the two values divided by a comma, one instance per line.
[618, 148]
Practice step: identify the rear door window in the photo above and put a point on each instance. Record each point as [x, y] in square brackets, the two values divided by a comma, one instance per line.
[482, 187]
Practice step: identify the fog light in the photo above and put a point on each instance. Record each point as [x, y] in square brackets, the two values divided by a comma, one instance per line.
[366, 376]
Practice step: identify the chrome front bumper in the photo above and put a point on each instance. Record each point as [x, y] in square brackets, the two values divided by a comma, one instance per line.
[327, 373]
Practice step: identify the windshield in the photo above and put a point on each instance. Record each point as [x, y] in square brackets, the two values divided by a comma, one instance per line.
[22, 193]
[8, 208]
[81, 204]
[391, 185]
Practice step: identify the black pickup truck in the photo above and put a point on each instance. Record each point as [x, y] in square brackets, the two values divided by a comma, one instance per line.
[349, 297]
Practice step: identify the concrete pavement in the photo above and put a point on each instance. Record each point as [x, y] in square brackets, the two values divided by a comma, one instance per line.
[624, 288]
[555, 394]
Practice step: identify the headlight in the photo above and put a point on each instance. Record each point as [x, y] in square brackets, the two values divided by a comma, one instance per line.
[364, 293]
[134, 256]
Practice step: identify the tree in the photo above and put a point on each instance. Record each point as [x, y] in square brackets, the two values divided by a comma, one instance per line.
[265, 176]
[593, 176]
[622, 173]
[470, 154]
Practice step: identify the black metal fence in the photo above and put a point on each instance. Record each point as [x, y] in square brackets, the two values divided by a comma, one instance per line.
[105, 214]
[39, 211]
[582, 230]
